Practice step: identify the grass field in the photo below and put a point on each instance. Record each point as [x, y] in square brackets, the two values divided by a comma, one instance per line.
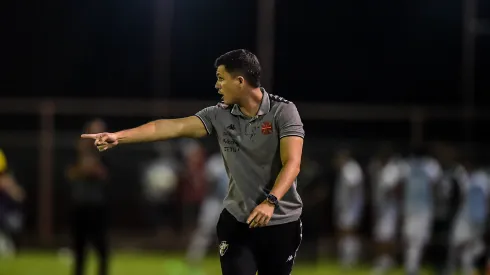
[34, 263]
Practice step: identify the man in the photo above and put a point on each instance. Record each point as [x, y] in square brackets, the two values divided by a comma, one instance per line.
[349, 201]
[466, 243]
[88, 178]
[447, 200]
[261, 140]
[217, 180]
[12, 196]
[386, 171]
[421, 175]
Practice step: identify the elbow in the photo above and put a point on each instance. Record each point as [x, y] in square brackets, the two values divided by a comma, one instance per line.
[295, 166]
[298, 169]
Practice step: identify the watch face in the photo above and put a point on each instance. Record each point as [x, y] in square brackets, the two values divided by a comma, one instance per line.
[272, 199]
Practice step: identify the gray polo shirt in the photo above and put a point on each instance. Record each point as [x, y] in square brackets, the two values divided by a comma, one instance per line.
[250, 149]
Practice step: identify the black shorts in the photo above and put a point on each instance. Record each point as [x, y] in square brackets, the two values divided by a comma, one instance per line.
[269, 250]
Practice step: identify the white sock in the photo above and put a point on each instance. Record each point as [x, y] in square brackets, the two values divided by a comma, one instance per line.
[349, 250]
[7, 247]
[412, 258]
[467, 260]
[198, 247]
[383, 264]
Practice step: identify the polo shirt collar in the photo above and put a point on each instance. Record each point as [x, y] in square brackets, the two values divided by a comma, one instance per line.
[265, 106]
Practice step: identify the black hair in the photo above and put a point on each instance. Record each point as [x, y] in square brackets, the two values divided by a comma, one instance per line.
[241, 62]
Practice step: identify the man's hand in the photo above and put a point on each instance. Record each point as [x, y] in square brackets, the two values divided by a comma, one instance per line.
[261, 215]
[158, 130]
[103, 141]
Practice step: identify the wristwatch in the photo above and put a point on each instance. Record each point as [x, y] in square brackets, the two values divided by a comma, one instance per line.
[272, 199]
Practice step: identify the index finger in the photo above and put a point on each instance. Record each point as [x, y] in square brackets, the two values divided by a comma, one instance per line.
[92, 136]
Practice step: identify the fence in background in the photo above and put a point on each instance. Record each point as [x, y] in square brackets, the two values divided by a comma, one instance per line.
[42, 144]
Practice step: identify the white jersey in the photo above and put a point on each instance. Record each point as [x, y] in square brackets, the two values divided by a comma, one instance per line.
[472, 214]
[420, 175]
[385, 179]
[349, 197]
[475, 198]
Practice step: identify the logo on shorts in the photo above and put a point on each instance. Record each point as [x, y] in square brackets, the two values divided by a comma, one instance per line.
[266, 128]
[223, 246]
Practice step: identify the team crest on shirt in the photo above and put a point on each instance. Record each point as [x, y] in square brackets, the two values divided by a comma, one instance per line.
[223, 246]
[266, 128]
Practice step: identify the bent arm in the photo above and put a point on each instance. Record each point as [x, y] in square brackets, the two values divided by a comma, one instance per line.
[163, 129]
[291, 149]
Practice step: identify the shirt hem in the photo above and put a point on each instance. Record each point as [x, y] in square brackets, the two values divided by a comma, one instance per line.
[292, 135]
[296, 215]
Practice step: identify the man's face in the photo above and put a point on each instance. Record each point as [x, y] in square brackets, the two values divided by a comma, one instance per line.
[228, 86]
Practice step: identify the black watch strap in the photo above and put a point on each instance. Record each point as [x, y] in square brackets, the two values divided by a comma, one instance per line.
[272, 199]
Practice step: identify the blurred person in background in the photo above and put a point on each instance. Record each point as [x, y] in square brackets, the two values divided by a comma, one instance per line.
[88, 178]
[422, 173]
[12, 196]
[447, 199]
[217, 187]
[386, 172]
[482, 261]
[348, 205]
[160, 180]
[315, 191]
[192, 185]
[469, 224]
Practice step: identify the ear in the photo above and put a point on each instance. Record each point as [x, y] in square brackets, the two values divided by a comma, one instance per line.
[240, 79]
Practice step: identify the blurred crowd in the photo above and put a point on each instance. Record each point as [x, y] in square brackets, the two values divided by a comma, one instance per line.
[427, 205]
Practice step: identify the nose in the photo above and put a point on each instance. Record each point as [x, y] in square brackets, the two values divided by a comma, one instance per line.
[217, 85]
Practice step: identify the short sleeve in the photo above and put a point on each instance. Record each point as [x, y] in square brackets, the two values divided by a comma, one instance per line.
[390, 175]
[433, 170]
[289, 122]
[208, 117]
[352, 174]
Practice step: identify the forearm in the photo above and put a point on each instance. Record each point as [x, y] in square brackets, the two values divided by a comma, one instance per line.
[162, 129]
[285, 179]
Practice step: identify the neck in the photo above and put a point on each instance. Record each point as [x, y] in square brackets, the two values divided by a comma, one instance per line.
[250, 104]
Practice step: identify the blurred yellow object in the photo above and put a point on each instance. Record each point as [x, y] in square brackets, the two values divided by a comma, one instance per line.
[3, 162]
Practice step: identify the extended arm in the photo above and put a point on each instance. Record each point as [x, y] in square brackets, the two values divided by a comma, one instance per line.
[162, 129]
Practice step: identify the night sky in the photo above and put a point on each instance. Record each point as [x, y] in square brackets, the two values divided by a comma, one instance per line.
[385, 51]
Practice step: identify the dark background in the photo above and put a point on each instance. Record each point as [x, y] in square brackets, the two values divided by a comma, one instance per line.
[394, 52]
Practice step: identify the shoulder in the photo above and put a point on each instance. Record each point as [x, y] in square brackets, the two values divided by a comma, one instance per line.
[432, 168]
[278, 99]
[280, 105]
[480, 176]
[352, 172]
[214, 110]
